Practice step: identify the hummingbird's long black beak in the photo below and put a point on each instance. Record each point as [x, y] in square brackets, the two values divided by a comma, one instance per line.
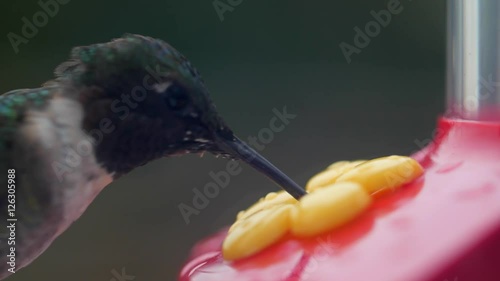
[240, 150]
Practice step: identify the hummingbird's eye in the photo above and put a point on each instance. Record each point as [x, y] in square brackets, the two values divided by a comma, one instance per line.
[176, 96]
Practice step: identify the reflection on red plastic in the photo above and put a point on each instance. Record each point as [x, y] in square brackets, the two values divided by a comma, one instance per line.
[444, 226]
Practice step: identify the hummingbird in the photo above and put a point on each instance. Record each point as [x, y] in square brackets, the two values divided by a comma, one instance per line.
[110, 108]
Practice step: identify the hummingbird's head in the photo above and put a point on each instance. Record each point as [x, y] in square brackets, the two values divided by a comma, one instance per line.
[144, 100]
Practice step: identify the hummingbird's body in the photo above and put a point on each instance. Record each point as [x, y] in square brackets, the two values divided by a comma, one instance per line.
[112, 107]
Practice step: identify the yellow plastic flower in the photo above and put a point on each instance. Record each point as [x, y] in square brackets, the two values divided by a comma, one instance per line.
[335, 197]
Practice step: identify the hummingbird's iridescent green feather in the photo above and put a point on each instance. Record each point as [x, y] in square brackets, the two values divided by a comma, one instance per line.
[12, 107]
[99, 62]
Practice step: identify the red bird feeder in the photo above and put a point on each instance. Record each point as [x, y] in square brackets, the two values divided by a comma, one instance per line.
[445, 226]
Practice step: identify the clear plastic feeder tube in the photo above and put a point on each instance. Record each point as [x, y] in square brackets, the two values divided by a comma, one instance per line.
[473, 62]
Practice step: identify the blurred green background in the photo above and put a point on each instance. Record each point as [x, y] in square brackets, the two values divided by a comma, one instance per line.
[263, 55]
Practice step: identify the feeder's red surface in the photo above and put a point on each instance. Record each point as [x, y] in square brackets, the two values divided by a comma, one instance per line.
[445, 226]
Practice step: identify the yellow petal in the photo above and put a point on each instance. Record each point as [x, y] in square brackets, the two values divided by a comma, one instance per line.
[342, 163]
[337, 164]
[257, 232]
[383, 173]
[328, 208]
[331, 174]
[272, 199]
